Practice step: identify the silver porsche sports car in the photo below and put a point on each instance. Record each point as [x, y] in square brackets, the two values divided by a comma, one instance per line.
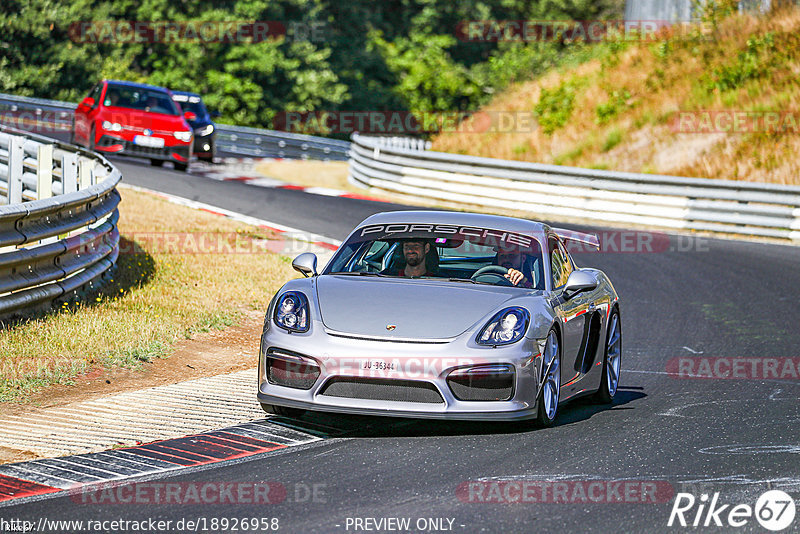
[443, 315]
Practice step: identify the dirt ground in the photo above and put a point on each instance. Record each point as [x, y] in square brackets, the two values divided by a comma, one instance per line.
[208, 354]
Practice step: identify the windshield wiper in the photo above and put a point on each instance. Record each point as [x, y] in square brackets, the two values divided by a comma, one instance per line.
[469, 281]
[362, 273]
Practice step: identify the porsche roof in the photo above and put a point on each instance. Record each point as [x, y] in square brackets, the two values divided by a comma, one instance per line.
[457, 218]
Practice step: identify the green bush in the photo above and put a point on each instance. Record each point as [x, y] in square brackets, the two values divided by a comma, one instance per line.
[555, 106]
[618, 101]
[613, 139]
[751, 63]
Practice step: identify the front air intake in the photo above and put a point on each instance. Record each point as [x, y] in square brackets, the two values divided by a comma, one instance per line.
[291, 370]
[487, 383]
[383, 389]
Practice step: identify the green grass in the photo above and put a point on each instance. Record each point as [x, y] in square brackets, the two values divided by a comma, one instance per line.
[613, 138]
[155, 298]
[143, 353]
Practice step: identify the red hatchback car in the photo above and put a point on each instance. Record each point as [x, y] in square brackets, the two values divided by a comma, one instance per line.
[134, 119]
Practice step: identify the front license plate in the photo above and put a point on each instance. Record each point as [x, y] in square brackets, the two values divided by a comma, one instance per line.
[379, 365]
[152, 142]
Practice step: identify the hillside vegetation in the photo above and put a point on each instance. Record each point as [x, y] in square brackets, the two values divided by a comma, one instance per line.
[318, 55]
[632, 106]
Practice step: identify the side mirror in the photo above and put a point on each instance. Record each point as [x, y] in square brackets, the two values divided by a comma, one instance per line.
[579, 282]
[190, 115]
[87, 102]
[214, 114]
[306, 263]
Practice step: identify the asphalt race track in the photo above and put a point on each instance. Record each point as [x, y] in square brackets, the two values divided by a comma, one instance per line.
[690, 298]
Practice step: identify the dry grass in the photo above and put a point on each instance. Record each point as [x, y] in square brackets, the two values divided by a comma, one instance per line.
[650, 82]
[161, 292]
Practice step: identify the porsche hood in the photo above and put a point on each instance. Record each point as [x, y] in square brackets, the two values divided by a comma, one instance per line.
[404, 309]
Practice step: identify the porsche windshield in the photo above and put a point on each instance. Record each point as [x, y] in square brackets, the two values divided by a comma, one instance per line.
[454, 253]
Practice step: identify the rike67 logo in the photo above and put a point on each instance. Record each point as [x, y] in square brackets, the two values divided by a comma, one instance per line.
[774, 510]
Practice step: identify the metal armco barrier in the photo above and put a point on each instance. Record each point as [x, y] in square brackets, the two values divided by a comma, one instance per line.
[681, 10]
[259, 143]
[722, 206]
[41, 115]
[58, 221]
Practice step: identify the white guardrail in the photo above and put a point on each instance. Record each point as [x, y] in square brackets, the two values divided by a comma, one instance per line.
[54, 116]
[407, 166]
[58, 221]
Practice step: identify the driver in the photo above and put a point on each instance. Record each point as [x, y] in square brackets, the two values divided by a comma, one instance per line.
[414, 252]
[512, 260]
[112, 98]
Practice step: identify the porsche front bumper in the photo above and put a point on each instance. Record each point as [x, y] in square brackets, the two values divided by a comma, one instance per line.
[398, 378]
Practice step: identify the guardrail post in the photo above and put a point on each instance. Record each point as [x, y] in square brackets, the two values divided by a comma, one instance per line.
[16, 155]
[44, 172]
[69, 172]
[85, 172]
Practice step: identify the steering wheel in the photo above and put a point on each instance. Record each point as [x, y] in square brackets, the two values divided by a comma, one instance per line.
[498, 271]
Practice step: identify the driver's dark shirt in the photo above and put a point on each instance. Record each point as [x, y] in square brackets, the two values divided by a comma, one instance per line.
[403, 273]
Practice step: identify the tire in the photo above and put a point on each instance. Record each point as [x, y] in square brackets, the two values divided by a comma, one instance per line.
[612, 360]
[283, 411]
[156, 162]
[550, 392]
[90, 142]
[72, 134]
[182, 167]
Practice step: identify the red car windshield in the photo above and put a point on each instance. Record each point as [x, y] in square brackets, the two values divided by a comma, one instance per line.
[139, 98]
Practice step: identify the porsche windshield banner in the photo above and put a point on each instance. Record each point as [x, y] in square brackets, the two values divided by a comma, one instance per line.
[483, 236]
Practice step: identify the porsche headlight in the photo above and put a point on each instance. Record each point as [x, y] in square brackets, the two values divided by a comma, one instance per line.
[183, 136]
[291, 312]
[506, 327]
[205, 130]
